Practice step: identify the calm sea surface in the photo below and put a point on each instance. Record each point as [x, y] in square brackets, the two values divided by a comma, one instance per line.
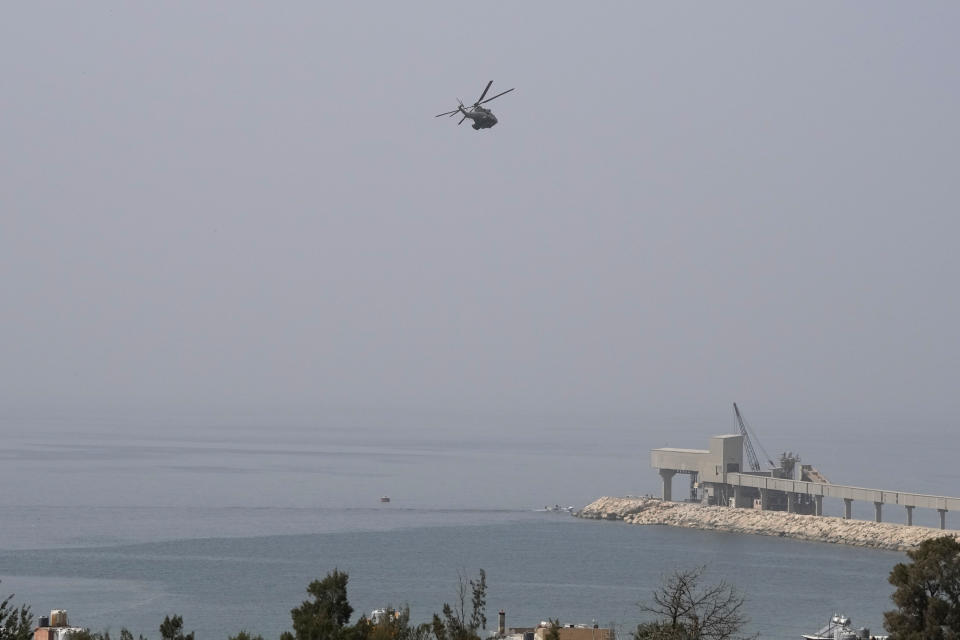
[226, 524]
[538, 565]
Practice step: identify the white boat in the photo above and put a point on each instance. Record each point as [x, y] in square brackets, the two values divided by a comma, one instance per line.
[557, 507]
[839, 629]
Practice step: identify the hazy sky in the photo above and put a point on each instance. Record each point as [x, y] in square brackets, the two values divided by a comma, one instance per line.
[249, 205]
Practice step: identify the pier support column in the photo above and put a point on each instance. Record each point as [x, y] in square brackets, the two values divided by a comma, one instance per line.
[943, 518]
[847, 507]
[791, 502]
[878, 507]
[909, 516]
[763, 499]
[667, 475]
[736, 495]
[818, 505]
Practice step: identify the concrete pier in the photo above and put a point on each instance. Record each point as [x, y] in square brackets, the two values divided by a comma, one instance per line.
[667, 475]
[861, 533]
[718, 478]
[848, 494]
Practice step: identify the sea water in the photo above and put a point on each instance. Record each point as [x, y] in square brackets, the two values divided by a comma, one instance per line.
[227, 523]
[538, 565]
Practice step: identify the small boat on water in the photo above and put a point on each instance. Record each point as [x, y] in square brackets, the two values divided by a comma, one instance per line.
[384, 498]
[839, 629]
[557, 507]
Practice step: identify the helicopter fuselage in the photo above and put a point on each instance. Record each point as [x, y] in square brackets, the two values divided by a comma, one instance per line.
[482, 118]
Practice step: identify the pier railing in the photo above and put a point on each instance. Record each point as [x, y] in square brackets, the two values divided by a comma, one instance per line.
[878, 497]
[883, 496]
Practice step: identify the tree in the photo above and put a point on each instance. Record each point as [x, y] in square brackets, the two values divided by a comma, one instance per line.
[393, 624]
[454, 625]
[553, 632]
[126, 635]
[86, 634]
[685, 610]
[172, 629]
[325, 617]
[927, 593]
[16, 623]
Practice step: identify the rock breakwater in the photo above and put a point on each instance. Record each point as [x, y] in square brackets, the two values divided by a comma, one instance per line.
[859, 533]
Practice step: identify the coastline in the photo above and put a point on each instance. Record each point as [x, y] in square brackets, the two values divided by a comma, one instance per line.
[858, 533]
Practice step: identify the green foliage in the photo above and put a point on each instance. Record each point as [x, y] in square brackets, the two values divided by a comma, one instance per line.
[686, 610]
[454, 623]
[553, 633]
[245, 635]
[16, 623]
[325, 617]
[86, 634]
[927, 593]
[478, 613]
[661, 631]
[125, 634]
[451, 626]
[172, 629]
[393, 625]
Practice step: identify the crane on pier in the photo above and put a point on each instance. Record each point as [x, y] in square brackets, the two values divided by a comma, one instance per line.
[748, 445]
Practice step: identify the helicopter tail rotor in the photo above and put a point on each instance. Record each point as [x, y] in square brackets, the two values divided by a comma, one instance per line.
[459, 109]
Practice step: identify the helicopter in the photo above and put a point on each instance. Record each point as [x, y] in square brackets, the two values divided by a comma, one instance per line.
[482, 117]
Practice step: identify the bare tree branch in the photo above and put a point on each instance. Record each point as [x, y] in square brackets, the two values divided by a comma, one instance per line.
[685, 610]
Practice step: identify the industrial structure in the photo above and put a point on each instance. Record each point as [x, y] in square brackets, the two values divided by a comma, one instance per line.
[55, 627]
[717, 477]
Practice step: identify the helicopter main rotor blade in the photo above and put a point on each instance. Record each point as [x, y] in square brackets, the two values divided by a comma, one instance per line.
[496, 96]
[461, 120]
[484, 92]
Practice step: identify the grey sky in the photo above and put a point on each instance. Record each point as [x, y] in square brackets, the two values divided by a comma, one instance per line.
[250, 205]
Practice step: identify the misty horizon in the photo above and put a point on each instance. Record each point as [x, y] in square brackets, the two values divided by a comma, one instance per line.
[252, 210]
